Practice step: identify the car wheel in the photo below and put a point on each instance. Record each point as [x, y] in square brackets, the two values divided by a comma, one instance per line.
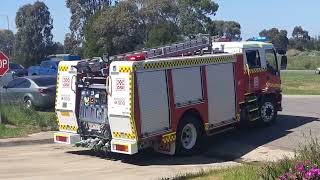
[28, 103]
[189, 135]
[268, 111]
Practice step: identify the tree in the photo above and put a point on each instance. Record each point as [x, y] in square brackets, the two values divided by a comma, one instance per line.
[6, 42]
[159, 21]
[33, 40]
[146, 23]
[58, 48]
[162, 34]
[81, 11]
[114, 30]
[71, 45]
[228, 29]
[195, 14]
[278, 38]
[300, 38]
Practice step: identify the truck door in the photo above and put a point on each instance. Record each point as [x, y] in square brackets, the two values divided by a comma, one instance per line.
[66, 96]
[254, 68]
[273, 73]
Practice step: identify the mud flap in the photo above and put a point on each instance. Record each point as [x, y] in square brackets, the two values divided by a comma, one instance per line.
[169, 148]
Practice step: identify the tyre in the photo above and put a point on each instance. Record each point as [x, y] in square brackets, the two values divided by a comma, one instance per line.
[189, 135]
[268, 111]
[28, 103]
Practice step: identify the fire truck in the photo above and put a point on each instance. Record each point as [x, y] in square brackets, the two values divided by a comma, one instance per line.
[168, 98]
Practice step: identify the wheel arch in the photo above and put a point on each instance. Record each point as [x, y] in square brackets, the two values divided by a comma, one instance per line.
[195, 113]
[272, 95]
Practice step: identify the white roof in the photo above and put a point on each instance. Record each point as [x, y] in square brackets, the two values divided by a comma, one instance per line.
[243, 44]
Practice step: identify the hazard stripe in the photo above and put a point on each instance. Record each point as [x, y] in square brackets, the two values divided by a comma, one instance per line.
[273, 85]
[125, 69]
[133, 134]
[168, 138]
[63, 68]
[256, 70]
[57, 92]
[185, 62]
[68, 128]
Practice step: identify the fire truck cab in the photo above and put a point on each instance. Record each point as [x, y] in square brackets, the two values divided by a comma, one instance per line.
[170, 103]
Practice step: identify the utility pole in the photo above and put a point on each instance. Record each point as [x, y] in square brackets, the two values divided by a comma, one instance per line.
[8, 23]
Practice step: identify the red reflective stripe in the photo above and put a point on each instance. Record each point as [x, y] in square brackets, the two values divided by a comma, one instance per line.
[62, 138]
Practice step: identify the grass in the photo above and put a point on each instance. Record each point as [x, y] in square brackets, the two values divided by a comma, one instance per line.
[18, 121]
[272, 170]
[307, 60]
[244, 172]
[300, 83]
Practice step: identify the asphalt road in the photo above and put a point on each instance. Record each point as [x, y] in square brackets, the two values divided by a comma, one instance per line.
[299, 119]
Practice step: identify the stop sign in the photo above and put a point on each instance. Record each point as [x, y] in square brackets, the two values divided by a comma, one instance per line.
[4, 64]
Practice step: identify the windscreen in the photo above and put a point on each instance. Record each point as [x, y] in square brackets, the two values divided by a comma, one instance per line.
[45, 81]
[15, 66]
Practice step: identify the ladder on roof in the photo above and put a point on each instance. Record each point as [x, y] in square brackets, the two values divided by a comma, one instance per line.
[198, 43]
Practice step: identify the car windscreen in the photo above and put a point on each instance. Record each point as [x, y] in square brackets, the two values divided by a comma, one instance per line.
[15, 66]
[45, 81]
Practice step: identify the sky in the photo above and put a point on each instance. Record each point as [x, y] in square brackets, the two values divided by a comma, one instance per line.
[253, 15]
[256, 15]
[59, 12]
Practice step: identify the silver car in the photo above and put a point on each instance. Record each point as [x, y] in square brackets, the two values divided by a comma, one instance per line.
[317, 71]
[31, 91]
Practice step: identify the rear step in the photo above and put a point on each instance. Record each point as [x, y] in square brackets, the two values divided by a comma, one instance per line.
[251, 102]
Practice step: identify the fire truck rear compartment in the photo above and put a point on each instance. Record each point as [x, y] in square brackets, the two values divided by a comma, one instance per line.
[93, 113]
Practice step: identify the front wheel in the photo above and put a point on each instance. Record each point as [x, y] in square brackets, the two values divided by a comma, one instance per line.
[189, 136]
[268, 111]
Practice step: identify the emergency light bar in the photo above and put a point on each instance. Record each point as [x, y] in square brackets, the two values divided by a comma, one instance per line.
[260, 39]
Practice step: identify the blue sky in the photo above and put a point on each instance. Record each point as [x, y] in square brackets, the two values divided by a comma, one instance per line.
[59, 13]
[253, 15]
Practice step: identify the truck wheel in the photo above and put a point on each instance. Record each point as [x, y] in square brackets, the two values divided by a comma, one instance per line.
[189, 136]
[268, 111]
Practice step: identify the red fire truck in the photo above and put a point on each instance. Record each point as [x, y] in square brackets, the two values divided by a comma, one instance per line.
[168, 98]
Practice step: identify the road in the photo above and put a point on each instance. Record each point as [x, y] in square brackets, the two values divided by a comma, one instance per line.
[54, 161]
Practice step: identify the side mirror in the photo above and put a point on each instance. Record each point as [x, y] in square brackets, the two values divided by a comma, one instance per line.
[284, 62]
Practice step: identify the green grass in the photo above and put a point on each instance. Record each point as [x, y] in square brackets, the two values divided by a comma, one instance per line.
[308, 60]
[243, 172]
[300, 83]
[18, 121]
[272, 170]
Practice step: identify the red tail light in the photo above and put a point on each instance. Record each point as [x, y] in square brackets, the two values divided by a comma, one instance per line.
[123, 148]
[43, 91]
[136, 57]
[61, 139]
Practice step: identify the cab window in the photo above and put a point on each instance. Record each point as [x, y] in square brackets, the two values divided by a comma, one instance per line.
[272, 64]
[253, 58]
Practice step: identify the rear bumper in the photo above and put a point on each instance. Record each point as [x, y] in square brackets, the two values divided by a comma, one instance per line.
[44, 101]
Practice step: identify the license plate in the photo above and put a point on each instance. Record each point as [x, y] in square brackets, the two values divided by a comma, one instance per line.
[94, 126]
[65, 114]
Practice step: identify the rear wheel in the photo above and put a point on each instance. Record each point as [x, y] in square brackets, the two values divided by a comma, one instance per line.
[268, 111]
[28, 103]
[189, 136]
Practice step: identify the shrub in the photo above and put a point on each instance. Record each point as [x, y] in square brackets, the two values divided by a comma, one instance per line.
[305, 165]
